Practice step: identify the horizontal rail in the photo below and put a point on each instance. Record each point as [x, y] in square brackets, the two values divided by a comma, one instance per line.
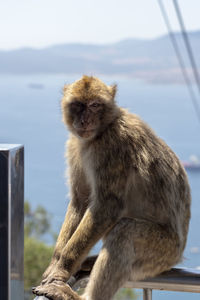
[177, 279]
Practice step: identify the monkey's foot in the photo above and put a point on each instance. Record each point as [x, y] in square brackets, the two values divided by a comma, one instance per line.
[56, 275]
[56, 291]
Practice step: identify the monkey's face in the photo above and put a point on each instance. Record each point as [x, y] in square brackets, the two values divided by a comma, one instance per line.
[88, 107]
[86, 117]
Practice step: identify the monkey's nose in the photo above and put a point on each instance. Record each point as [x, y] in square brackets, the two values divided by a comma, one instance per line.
[84, 123]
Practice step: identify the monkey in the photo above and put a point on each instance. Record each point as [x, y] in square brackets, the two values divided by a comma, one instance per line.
[128, 188]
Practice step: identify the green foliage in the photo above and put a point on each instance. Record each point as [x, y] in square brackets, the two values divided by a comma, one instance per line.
[37, 254]
[126, 294]
[36, 222]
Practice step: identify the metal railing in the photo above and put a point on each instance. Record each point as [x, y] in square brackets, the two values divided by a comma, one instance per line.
[177, 279]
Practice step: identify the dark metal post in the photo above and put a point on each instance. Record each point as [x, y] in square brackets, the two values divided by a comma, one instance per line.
[11, 222]
[147, 294]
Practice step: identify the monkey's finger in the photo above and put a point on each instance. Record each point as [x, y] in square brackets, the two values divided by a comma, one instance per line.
[39, 290]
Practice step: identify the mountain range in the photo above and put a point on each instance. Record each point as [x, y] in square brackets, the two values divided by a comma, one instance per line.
[153, 60]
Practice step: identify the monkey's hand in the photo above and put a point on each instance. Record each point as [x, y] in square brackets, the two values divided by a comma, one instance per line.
[56, 291]
[57, 274]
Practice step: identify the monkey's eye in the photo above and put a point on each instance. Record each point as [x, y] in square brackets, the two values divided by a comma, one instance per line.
[78, 106]
[94, 105]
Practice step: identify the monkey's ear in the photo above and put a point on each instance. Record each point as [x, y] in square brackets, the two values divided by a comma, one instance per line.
[113, 90]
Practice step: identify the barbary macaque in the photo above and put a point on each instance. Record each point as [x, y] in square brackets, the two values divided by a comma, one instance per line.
[128, 188]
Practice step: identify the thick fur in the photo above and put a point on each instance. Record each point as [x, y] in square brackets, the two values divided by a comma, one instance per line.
[127, 187]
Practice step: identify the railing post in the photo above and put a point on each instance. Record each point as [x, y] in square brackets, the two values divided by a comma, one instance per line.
[147, 294]
[11, 222]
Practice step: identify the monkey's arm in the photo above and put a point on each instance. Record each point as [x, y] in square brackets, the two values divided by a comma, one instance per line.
[72, 219]
[98, 219]
[75, 211]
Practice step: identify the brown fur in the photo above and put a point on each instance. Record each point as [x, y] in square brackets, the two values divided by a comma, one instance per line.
[127, 187]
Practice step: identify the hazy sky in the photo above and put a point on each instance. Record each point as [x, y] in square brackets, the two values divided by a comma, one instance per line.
[39, 23]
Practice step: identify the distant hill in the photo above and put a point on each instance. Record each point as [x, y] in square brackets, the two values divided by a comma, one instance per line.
[153, 60]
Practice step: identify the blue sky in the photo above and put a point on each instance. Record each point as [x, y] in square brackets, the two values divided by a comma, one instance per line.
[39, 23]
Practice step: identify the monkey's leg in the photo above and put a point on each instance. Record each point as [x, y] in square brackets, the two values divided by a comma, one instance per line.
[132, 250]
[157, 248]
[114, 263]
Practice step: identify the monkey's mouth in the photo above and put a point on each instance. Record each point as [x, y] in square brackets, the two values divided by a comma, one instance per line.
[85, 133]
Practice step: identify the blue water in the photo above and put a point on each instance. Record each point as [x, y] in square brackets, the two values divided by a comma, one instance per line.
[32, 117]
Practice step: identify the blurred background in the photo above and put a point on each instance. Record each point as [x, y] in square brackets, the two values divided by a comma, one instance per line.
[151, 49]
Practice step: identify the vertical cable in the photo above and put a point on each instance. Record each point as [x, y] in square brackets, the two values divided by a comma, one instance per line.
[187, 44]
[180, 60]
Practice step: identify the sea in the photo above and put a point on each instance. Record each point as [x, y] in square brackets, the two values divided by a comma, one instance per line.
[30, 114]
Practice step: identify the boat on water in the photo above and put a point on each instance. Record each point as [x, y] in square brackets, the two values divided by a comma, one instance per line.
[193, 164]
[38, 86]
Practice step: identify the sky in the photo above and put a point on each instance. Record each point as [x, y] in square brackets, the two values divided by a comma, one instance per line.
[40, 23]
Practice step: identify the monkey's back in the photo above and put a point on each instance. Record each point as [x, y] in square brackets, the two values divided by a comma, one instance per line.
[157, 186]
